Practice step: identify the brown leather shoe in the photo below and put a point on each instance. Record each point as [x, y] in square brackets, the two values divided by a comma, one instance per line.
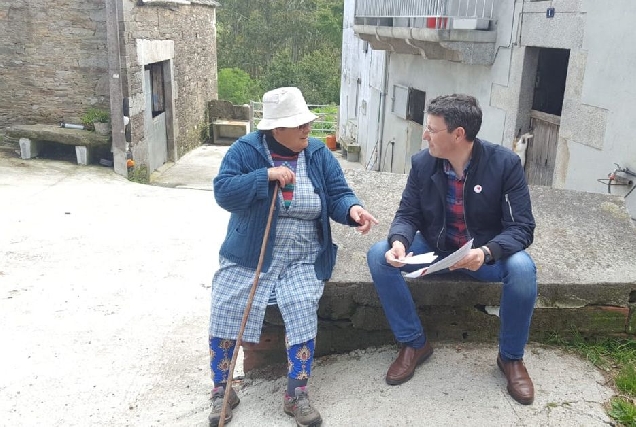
[403, 368]
[519, 383]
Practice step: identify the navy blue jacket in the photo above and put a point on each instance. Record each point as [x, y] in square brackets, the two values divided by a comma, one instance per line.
[497, 206]
[242, 188]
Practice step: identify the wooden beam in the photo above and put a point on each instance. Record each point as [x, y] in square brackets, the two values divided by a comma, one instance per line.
[550, 118]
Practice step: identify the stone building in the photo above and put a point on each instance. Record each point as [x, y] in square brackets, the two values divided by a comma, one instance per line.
[562, 70]
[54, 66]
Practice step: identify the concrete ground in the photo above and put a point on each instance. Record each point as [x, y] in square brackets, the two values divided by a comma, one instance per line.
[104, 294]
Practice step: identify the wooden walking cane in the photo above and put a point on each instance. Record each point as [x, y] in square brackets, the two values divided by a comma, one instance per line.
[250, 299]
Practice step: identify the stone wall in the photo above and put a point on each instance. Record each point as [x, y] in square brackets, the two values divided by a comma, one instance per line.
[53, 60]
[193, 30]
[221, 109]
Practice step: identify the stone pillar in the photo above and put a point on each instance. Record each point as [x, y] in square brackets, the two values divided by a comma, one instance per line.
[28, 148]
[83, 155]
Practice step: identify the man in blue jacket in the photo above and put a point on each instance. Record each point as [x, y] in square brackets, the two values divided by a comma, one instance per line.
[461, 189]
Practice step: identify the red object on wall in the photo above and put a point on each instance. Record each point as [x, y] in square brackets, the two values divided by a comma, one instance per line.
[437, 22]
[331, 142]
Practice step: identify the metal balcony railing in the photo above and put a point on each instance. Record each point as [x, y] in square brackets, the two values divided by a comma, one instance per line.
[417, 12]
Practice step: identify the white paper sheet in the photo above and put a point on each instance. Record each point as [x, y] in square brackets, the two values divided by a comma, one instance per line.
[444, 263]
[426, 258]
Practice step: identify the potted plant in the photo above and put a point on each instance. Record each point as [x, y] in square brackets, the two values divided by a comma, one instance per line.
[97, 120]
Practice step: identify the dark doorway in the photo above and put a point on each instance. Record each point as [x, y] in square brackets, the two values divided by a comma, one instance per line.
[549, 88]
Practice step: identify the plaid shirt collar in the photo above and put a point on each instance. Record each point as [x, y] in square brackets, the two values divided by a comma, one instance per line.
[450, 172]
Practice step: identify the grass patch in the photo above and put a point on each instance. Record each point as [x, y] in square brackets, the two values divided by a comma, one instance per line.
[607, 353]
[617, 357]
[138, 174]
[626, 379]
[623, 411]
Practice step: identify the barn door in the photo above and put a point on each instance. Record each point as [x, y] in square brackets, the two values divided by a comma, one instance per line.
[541, 151]
[155, 115]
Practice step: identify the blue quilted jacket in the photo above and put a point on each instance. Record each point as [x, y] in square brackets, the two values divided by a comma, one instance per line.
[242, 188]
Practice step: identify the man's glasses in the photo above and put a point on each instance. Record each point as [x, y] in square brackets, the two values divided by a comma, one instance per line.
[428, 129]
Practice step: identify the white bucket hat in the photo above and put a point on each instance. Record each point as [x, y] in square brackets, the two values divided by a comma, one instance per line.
[284, 107]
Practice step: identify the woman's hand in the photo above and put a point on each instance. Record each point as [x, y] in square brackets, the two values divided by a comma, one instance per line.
[362, 217]
[282, 174]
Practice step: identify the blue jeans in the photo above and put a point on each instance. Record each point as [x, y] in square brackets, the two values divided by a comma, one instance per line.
[517, 272]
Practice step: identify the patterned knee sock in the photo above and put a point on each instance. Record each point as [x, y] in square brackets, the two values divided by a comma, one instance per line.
[299, 360]
[221, 351]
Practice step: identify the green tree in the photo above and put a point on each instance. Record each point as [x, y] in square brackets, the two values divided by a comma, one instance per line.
[282, 71]
[277, 43]
[317, 75]
[329, 18]
[236, 86]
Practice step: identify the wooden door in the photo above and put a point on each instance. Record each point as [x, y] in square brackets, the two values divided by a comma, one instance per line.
[541, 151]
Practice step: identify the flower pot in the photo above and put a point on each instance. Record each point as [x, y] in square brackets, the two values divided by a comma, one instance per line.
[102, 128]
[331, 142]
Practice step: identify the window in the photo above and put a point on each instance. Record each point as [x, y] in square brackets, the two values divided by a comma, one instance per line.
[156, 87]
[408, 103]
[415, 111]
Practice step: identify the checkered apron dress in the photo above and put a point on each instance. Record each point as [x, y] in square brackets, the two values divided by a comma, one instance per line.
[291, 278]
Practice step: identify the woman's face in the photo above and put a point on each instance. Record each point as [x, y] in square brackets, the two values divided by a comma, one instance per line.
[296, 139]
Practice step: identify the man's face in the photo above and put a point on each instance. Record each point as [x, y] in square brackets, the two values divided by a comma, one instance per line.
[441, 142]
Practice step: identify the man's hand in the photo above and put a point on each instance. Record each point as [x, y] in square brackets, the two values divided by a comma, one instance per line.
[396, 253]
[472, 261]
[362, 217]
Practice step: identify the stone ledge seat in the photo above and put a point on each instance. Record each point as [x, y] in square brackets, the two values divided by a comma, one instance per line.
[31, 137]
[350, 149]
[584, 249]
[226, 131]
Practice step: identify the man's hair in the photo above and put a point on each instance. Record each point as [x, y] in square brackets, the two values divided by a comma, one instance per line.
[458, 110]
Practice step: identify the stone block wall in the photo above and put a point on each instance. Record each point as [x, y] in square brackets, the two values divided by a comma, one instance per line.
[53, 60]
[221, 109]
[192, 28]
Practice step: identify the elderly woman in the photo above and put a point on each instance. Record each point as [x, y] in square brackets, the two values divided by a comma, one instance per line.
[300, 254]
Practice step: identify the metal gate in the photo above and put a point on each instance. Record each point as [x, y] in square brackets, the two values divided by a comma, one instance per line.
[541, 151]
[326, 123]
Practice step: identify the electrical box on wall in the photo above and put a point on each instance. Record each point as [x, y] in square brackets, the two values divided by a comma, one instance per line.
[408, 103]
[399, 106]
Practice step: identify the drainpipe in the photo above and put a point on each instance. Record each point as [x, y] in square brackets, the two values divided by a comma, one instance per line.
[113, 8]
[385, 83]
